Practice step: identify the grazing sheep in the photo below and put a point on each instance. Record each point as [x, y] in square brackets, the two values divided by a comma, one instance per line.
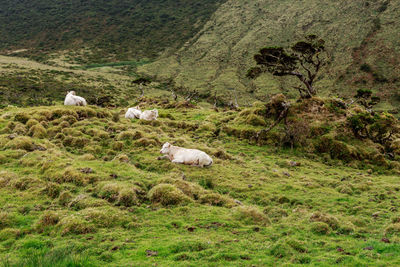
[73, 100]
[182, 155]
[133, 113]
[149, 115]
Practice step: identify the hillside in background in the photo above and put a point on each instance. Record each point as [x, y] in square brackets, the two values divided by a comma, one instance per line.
[103, 30]
[209, 45]
[362, 38]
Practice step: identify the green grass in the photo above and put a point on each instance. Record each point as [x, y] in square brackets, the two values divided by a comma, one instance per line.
[52, 214]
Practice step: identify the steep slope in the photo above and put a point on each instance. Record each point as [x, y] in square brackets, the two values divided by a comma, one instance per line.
[361, 37]
[111, 30]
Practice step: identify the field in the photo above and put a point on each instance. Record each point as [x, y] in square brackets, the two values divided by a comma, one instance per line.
[82, 186]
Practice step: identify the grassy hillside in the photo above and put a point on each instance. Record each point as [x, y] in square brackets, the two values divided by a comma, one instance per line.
[361, 37]
[101, 31]
[83, 186]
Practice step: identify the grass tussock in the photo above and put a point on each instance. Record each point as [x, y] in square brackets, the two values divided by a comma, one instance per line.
[75, 225]
[119, 193]
[167, 195]
[251, 215]
[21, 142]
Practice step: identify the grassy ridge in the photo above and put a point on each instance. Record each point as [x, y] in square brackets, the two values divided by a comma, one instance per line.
[86, 184]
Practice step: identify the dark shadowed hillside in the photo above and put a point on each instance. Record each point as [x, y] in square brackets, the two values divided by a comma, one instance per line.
[111, 30]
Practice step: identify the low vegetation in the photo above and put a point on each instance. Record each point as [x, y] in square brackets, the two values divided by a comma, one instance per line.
[83, 186]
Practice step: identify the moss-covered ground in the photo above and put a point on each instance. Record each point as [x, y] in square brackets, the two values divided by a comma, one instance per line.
[83, 186]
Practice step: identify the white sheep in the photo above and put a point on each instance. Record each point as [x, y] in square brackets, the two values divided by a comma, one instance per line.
[149, 115]
[133, 113]
[73, 100]
[186, 156]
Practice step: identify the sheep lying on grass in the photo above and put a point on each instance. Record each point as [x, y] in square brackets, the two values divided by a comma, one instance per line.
[73, 100]
[149, 115]
[186, 156]
[133, 113]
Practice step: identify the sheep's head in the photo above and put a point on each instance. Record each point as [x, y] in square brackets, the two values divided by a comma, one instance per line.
[165, 148]
[155, 112]
[137, 107]
[71, 92]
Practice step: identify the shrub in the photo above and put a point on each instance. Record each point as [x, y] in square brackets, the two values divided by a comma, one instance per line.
[296, 133]
[167, 194]
[379, 127]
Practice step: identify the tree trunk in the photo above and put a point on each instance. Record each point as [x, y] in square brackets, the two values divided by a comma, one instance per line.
[310, 90]
[141, 90]
[282, 116]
